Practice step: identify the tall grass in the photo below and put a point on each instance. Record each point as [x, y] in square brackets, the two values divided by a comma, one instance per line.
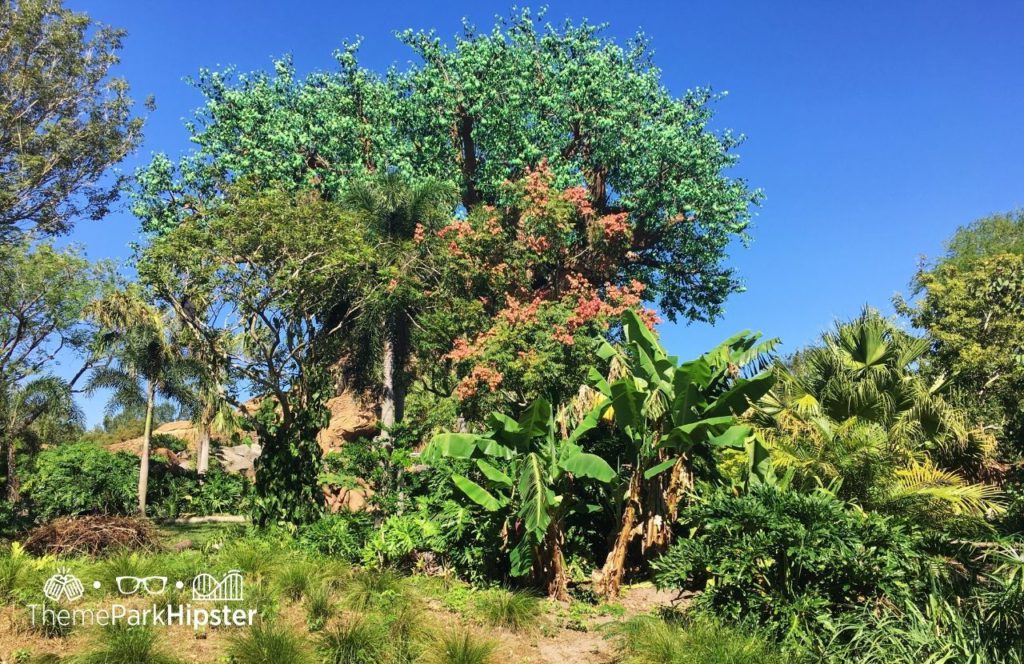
[124, 564]
[122, 644]
[354, 641]
[266, 642]
[515, 610]
[459, 647]
[649, 640]
[257, 559]
[319, 606]
[369, 589]
[293, 579]
[14, 567]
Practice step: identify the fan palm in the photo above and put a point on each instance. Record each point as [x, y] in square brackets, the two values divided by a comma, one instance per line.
[854, 413]
[392, 207]
[26, 412]
[144, 363]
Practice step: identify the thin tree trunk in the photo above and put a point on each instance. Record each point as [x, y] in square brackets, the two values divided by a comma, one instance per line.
[203, 444]
[395, 357]
[13, 483]
[387, 405]
[147, 435]
[549, 563]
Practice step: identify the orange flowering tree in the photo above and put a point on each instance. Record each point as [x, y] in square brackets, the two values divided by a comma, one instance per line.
[523, 294]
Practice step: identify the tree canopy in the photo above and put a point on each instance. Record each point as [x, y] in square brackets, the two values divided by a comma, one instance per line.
[64, 119]
[486, 109]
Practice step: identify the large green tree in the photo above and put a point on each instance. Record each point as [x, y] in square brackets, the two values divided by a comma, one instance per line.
[482, 110]
[43, 295]
[64, 120]
[971, 303]
[267, 287]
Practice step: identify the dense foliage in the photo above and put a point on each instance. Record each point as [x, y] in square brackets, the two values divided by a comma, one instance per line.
[476, 251]
[789, 560]
[64, 120]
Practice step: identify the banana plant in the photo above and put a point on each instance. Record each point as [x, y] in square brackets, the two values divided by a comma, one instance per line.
[532, 472]
[671, 414]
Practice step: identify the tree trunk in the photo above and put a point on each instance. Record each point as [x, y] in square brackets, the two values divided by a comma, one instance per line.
[608, 580]
[395, 359]
[549, 563]
[203, 443]
[650, 511]
[147, 435]
[13, 483]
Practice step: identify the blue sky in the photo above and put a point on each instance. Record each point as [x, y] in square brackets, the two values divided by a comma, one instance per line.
[874, 128]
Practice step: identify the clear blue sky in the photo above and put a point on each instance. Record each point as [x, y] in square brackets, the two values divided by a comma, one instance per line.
[874, 128]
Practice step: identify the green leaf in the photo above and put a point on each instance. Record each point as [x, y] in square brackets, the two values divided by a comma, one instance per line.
[733, 437]
[588, 465]
[453, 445]
[533, 492]
[744, 392]
[590, 421]
[476, 493]
[493, 474]
[660, 468]
[534, 420]
[521, 558]
[628, 404]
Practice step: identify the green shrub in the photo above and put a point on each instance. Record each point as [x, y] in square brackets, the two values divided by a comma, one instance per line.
[514, 610]
[121, 644]
[340, 535]
[266, 642]
[319, 607]
[10, 520]
[649, 640]
[354, 641]
[779, 558]
[371, 588]
[459, 647]
[82, 478]
[174, 491]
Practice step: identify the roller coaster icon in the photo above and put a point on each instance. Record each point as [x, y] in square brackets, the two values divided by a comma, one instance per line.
[206, 588]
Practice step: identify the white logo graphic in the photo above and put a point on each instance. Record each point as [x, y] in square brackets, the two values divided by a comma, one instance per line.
[63, 584]
[129, 585]
[206, 588]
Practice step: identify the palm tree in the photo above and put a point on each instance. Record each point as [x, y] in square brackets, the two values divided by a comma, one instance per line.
[27, 414]
[855, 413]
[144, 363]
[213, 415]
[392, 207]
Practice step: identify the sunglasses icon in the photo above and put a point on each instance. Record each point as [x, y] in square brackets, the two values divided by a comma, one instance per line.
[129, 585]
